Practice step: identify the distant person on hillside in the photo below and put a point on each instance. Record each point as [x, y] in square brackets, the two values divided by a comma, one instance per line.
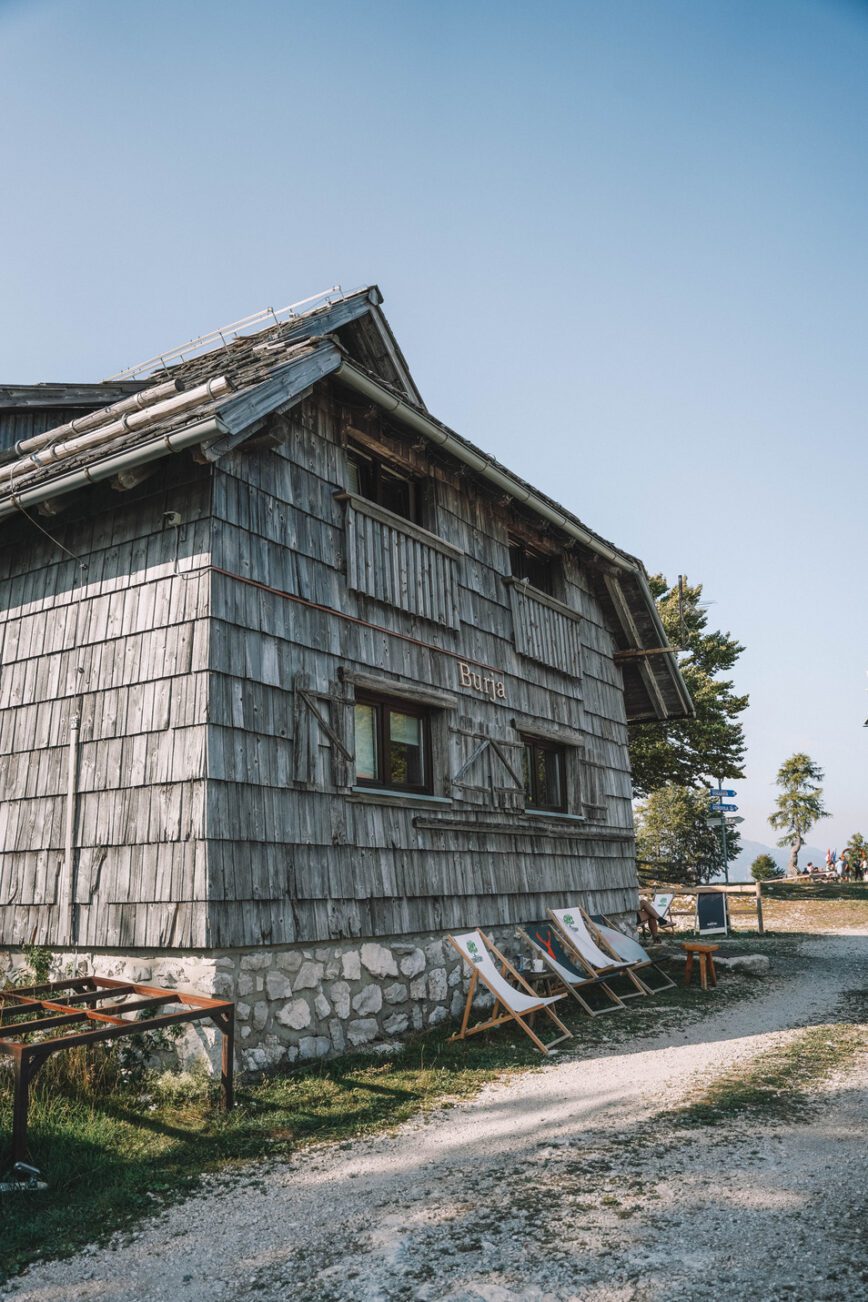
[863, 869]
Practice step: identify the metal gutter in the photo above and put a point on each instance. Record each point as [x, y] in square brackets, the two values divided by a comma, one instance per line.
[348, 374]
[408, 415]
[152, 451]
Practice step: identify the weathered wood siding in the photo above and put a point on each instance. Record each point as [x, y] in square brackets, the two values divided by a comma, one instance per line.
[213, 668]
[121, 645]
[294, 853]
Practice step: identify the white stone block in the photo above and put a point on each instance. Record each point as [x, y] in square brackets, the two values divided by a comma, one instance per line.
[437, 988]
[369, 1000]
[379, 961]
[295, 1015]
[418, 988]
[255, 962]
[396, 993]
[362, 1031]
[309, 976]
[260, 1015]
[437, 1016]
[413, 964]
[351, 965]
[277, 985]
[314, 1046]
[289, 960]
[340, 993]
[396, 1024]
[242, 1012]
[336, 1031]
[246, 984]
[322, 1006]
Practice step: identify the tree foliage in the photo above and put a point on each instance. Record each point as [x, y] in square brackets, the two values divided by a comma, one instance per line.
[674, 842]
[688, 752]
[764, 869]
[858, 847]
[799, 805]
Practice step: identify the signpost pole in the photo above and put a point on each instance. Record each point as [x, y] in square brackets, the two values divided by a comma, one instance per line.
[723, 835]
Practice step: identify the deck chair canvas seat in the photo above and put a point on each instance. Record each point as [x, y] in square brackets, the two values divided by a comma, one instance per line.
[662, 904]
[545, 940]
[631, 951]
[482, 957]
[573, 926]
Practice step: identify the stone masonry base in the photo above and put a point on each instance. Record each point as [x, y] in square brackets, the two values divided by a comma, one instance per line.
[298, 1002]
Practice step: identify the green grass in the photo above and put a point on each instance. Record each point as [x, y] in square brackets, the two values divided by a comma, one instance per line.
[111, 1158]
[112, 1153]
[780, 1083]
[808, 890]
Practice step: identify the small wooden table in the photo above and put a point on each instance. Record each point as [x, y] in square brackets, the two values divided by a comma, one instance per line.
[705, 954]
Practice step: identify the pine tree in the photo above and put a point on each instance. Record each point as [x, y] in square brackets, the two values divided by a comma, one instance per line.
[689, 752]
[799, 805]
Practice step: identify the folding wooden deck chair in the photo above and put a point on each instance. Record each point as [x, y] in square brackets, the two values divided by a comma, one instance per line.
[599, 962]
[480, 953]
[624, 947]
[662, 904]
[545, 940]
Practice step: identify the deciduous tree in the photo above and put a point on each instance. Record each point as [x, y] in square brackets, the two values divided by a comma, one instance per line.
[799, 805]
[674, 842]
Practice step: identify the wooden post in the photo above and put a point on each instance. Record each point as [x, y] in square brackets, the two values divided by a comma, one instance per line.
[24, 1067]
[227, 1062]
[759, 908]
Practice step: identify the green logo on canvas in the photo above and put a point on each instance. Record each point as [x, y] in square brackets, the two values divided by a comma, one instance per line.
[471, 945]
[569, 919]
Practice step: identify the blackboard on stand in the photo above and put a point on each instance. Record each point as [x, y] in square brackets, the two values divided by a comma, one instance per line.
[711, 917]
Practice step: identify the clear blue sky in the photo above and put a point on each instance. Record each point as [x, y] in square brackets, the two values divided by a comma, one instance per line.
[623, 245]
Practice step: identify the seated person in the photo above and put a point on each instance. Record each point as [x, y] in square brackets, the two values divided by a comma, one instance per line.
[648, 916]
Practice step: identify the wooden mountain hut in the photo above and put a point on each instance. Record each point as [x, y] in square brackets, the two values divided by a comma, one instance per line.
[294, 678]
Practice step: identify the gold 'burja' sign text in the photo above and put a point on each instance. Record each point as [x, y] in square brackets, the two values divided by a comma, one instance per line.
[493, 687]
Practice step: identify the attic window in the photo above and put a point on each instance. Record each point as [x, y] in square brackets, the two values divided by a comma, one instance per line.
[532, 566]
[374, 479]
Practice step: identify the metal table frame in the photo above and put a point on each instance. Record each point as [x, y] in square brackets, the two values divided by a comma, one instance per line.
[29, 1042]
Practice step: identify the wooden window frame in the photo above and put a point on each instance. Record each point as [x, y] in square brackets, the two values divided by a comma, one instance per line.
[525, 558]
[382, 705]
[533, 803]
[379, 467]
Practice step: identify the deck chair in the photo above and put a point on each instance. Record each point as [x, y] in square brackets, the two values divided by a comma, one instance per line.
[598, 961]
[482, 956]
[545, 940]
[662, 904]
[631, 952]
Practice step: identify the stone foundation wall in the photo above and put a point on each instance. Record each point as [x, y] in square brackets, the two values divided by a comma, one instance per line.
[294, 1003]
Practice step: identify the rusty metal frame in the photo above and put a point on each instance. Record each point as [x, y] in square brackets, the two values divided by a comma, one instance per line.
[51, 1016]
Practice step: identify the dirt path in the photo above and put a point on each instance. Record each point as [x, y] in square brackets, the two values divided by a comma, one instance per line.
[538, 1189]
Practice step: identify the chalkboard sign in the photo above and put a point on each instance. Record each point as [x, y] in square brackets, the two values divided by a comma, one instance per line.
[711, 913]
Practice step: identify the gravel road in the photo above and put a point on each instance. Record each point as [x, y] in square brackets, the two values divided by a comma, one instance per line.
[543, 1188]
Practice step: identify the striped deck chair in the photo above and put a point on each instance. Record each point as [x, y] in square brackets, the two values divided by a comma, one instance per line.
[598, 961]
[624, 947]
[482, 956]
[545, 940]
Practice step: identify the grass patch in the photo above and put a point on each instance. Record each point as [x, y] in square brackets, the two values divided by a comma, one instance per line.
[780, 1082]
[114, 1149]
[808, 890]
[112, 1157]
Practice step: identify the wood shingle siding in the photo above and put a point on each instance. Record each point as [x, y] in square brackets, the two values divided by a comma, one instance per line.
[193, 648]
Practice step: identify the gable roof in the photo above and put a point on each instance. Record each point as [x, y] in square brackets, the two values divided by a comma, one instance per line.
[219, 399]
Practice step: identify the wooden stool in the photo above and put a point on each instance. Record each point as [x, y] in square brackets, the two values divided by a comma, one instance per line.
[705, 954]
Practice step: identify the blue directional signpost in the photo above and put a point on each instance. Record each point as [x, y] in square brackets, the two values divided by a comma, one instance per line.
[717, 797]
